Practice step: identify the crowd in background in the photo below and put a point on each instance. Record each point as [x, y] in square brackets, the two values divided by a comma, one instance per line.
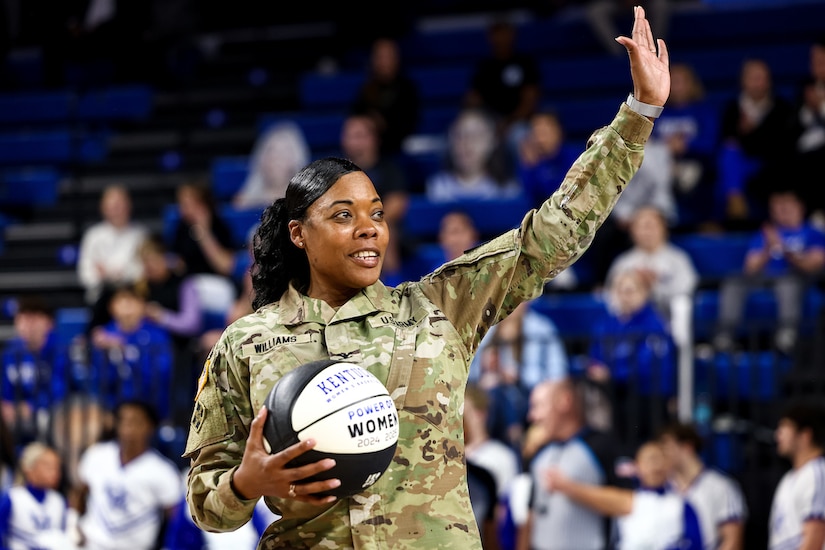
[567, 447]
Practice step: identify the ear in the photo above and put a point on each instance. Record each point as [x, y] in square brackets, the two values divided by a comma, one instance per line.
[296, 233]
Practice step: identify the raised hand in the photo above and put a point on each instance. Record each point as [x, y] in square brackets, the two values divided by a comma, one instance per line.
[649, 69]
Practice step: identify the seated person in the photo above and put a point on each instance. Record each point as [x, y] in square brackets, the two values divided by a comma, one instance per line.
[33, 514]
[476, 166]
[668, 269]
[131, 355]
[35, 370]
[278, 154]
[785, 255]
[632, 354]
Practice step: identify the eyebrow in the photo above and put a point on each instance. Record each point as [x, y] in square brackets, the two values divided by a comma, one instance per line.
[350, 202]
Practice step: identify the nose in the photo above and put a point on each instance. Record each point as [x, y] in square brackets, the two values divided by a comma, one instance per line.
[367, 229]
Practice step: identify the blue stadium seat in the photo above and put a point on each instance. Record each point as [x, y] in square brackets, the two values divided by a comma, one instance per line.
[32, 186]
[71, 321]
[321, 130]
[572, 313]
[228, 176]
[715, 256]
[53, 147]
[442, 83]
[36, 107]
[423, 217]
[747, 375]
[116, 103]
[333, 91]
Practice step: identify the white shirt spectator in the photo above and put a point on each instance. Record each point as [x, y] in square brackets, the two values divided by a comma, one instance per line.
[717, 499]
[126, 502]
[650, 186]
[799, 497]
[109, 255]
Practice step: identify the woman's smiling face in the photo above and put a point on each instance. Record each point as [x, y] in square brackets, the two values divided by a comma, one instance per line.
[345, 237]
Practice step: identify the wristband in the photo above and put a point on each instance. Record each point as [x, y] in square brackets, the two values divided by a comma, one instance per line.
[644, 109]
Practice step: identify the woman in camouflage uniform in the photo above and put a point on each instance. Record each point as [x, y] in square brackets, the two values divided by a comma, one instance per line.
[318, 254]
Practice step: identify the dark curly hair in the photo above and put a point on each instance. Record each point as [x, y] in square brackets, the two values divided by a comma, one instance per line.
[276, 260]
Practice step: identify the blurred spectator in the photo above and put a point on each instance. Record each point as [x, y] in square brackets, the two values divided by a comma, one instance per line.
[808, 127]
[35, 371]
[172, 299]
[689, 126]
[715, 496]
[173, 304]
[108, 254]
[131, 355]
[8, 460]
[33, 514]
[544, 157]
[202, 240]
[632, 354]
[785, 255]
[666, 268]
[390, 95]
[555, 522]
[750, 157]
[650, 186]
[277, 156]
[650, 517]
[457, 233]
[128, 491]
[798, 510]
[183, 534]
[482, 488]
[476, 166]
[528, 346]
[493, 455]
[507, 83]
[361, 143]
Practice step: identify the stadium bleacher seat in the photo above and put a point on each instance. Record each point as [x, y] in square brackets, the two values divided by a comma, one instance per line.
[228, 175]
[424, 217]
[71, 321]
[747, 376]
[116, 103]
[715, 256]
[321, 130]
[34, 186]
[16, 108]
[572, 313]
[329, 91]
[53, 147]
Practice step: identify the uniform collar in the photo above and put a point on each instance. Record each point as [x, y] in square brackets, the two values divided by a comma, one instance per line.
[297, 308]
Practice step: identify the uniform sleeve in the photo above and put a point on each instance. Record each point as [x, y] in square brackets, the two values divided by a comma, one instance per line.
[734, 506]
[217, 439]
[484, 285]
[810, 500]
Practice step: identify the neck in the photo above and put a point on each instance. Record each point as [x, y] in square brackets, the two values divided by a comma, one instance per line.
[806, 455]
[568, 430]
[129, 453]
[688, 472]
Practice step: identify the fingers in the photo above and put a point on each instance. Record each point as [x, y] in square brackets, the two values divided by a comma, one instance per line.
[664, 56]
[256, 431]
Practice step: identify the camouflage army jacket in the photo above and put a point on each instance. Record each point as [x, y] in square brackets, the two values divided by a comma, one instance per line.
[418, 338]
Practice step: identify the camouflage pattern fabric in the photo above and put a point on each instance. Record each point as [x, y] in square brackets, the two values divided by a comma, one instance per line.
[418, 338]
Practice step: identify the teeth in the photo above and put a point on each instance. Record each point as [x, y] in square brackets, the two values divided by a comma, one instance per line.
[365, 255]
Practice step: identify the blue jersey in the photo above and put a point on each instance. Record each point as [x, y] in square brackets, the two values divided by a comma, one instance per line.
[141, 368]
[36, 378]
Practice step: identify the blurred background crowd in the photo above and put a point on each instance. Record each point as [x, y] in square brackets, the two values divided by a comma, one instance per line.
[140, 141]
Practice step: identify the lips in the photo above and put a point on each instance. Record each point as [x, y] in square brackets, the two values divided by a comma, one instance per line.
[366, 258]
